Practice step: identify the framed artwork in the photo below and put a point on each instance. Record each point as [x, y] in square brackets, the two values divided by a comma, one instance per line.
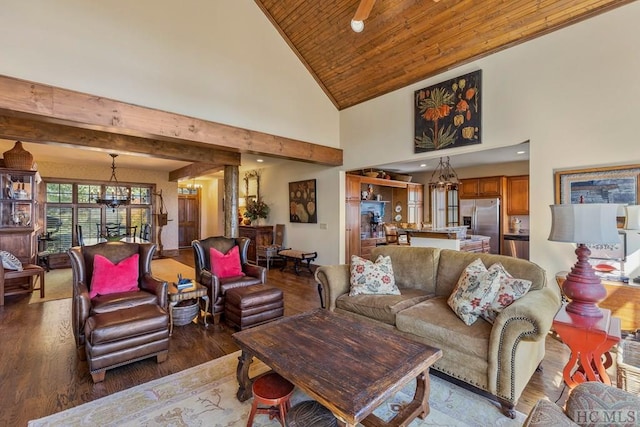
[303, 201]
[448, 114]
[616, 184]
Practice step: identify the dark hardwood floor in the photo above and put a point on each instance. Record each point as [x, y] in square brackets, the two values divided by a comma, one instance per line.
[40, 373]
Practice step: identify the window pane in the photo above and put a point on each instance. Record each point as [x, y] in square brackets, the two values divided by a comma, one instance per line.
[59, 225]
[89, 220]
[140, 195]
[140, 216]
[88, 193]
[53, 193]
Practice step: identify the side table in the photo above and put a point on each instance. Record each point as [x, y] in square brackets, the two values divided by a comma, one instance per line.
[176, 295]
[588, 339]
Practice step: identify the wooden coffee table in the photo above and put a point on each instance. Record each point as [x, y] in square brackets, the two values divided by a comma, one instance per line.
[350, 366]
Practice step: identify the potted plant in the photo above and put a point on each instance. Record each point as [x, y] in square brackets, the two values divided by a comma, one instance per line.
[256, 209]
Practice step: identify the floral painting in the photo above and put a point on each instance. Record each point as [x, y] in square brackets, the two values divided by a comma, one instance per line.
[302, 201]
[448, 115]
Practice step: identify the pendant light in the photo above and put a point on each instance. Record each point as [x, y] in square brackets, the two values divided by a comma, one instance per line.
[114, 196]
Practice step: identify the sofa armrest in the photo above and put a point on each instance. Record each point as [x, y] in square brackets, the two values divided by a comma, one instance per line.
[528, 319]
[334, 280]
[546, 414]
[157, 287]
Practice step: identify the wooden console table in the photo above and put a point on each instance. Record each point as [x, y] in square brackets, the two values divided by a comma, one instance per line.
[260, 235]
[589, 339]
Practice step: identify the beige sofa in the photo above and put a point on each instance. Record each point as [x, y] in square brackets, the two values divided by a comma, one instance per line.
[497, 359]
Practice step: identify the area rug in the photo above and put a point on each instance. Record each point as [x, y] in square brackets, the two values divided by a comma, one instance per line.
[204, 395]
[58, 282]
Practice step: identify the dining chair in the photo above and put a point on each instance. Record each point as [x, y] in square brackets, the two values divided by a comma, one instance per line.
[130, 231]
[145, 232]
[79, 235]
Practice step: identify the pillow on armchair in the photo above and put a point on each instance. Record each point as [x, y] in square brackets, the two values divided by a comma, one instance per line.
[110, 278]
[226, 265]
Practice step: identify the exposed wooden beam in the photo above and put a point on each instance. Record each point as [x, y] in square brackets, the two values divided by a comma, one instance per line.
[45, 103]
[52, 133]
[194, 170]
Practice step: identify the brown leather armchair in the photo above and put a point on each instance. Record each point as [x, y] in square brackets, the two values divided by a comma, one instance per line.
[118, 328]
[254, 274]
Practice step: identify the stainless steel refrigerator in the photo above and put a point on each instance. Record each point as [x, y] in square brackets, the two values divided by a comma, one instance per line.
[482, 216]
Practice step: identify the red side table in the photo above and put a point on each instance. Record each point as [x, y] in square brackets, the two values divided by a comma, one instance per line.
[589, 339]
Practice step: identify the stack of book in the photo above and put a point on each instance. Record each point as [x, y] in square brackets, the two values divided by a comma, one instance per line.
[183, 283]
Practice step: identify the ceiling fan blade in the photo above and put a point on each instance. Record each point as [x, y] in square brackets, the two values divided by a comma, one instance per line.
[364, 9]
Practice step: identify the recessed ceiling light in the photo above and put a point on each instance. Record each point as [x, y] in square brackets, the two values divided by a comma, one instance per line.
[423, 165]
[520, 152]
[259, 160]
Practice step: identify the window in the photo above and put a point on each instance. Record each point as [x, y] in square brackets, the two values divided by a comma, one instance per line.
[72, 204]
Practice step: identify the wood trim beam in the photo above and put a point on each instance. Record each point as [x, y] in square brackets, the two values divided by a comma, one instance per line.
[194, 170]
[45, 103]
[18, 128]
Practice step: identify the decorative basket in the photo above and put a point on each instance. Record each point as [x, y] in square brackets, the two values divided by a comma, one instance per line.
[403, 178]
[628, 369]
[185, 311]
[18, 158]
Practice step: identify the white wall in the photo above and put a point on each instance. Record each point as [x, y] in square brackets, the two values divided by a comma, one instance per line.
[573, 93]
[218, 60]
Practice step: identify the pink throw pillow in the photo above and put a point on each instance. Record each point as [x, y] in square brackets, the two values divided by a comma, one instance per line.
[226, 265]
[109, 278]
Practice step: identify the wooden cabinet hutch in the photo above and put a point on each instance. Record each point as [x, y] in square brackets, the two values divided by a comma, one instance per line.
[19, 213]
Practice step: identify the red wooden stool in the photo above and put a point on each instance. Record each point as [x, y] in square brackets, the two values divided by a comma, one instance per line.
[274, 392]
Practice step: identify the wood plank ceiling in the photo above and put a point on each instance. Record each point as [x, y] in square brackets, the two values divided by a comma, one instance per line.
[405, 41]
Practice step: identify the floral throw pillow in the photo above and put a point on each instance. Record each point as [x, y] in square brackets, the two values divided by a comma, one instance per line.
[10, 262]
[510, 289]
[473, 292]
[369, 278]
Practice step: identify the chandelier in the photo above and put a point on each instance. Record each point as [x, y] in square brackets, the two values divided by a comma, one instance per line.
[114, 195]
[444, 177]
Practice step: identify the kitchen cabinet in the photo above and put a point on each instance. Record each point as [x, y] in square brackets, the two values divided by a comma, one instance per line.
[19, 213]
[397, 199]
[352, 211]
[260, 235]
[518, 195]
[490, 186]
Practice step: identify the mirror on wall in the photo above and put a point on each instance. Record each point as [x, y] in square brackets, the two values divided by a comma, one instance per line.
[252, 185]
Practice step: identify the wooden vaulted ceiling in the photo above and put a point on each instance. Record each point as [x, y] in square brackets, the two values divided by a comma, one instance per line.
[405, 41]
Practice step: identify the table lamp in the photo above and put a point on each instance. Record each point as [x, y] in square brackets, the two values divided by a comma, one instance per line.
[592, 223]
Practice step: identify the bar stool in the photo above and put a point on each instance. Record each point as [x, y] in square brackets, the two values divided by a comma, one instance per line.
[274, 392]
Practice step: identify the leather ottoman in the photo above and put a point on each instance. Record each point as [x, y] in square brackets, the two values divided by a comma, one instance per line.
[253, 305]
[123, 336]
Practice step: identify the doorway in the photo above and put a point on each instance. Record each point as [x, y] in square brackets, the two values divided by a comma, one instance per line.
[188, 216]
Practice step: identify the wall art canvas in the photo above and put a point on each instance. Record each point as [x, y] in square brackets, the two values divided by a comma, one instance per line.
[303, 201]
[448, 114]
